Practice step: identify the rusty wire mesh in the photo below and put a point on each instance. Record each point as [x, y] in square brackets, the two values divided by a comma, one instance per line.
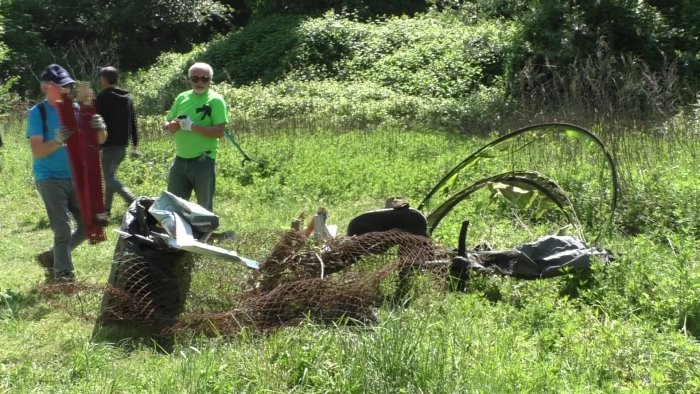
[342, 280]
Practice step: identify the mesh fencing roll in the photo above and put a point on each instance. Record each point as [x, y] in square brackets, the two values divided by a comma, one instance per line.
[343, 280]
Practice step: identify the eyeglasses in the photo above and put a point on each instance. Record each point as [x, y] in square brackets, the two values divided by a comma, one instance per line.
[196, 79]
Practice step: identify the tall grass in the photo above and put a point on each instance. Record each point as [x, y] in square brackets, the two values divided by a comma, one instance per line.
[631, 327]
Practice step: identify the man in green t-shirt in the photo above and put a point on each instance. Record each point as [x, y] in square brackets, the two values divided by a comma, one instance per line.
[196, 120]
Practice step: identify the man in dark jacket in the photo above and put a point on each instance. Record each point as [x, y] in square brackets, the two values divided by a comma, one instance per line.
[117, 108]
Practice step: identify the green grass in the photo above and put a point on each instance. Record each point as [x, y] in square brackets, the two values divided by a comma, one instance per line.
[632, 327]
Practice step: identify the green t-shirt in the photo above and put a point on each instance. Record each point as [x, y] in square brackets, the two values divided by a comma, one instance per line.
[190, 144]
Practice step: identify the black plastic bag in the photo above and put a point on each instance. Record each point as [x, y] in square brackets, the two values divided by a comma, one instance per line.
[148, 283]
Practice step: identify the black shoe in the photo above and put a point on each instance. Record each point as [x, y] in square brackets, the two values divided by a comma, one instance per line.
[65, 283]
[65, 277]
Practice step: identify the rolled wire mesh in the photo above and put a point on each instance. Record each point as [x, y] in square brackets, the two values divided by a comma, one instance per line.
[144, 297]
[341, 280]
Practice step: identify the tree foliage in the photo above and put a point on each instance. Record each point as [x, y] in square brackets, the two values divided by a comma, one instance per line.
[133, 33]
[561, 31]
[364, 8]
[346, 39]
[7, 97]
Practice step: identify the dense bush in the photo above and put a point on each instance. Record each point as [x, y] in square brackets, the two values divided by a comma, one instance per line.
[258, 52]
[154, 90]
[461, 65]
[21, 32]
[7, 96]
[431, 55]
[433, 69]
[342, 106]
[366, 8]
[555, 34]
[684, 34]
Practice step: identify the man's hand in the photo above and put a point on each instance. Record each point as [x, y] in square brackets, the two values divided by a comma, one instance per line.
[172, 126]
[135, 153]
[97, 122]
[186, 123]
[62, 134]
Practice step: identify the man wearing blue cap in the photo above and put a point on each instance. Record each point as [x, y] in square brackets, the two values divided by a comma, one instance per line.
[53, 174]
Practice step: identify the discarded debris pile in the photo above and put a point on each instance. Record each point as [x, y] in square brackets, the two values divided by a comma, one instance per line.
[329, 279]
[148, 284]
[345, 279]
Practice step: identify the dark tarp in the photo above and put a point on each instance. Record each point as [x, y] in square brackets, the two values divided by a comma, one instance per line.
[147, 285]
[547, 257]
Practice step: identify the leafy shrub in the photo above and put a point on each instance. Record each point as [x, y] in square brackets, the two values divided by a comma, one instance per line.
[18, 34]
[131, 34]
[155, 89]
[448, 69]
[424, 71]
[350, 105]
[8, 98]
[325, 42]
[366, 8]
[430, 55]
[258, 52]
[563, 31]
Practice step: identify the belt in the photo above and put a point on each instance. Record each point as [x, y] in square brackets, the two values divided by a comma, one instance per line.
[201, 157]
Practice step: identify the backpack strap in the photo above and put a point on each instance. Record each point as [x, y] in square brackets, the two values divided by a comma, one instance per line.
[42, 111]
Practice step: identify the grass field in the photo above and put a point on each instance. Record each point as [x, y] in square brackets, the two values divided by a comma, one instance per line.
[632, 327]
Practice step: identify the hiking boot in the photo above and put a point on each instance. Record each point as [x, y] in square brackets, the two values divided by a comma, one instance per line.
[45, 260]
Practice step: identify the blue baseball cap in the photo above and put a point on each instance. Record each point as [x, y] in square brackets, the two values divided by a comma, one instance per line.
[56, 74]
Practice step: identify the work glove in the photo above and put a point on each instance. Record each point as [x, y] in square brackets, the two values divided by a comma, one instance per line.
[135, 153]
[98, 123]
[62, 134]
[185, 123]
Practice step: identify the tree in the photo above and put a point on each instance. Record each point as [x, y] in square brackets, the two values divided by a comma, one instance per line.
[364, 8]
[143, 29]
[133, 33]
[7, 97]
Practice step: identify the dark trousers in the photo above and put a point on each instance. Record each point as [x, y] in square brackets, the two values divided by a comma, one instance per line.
[112, 157]
[198, 174]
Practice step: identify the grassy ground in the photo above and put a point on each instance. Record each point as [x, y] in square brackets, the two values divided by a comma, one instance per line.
[631, 327]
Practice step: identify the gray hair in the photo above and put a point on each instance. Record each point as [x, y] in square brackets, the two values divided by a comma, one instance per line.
[201, 66]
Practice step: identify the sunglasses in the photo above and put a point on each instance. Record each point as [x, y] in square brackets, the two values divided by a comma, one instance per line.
[196, 79]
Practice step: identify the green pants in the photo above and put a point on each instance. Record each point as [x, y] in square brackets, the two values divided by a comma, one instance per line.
[196, 174]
